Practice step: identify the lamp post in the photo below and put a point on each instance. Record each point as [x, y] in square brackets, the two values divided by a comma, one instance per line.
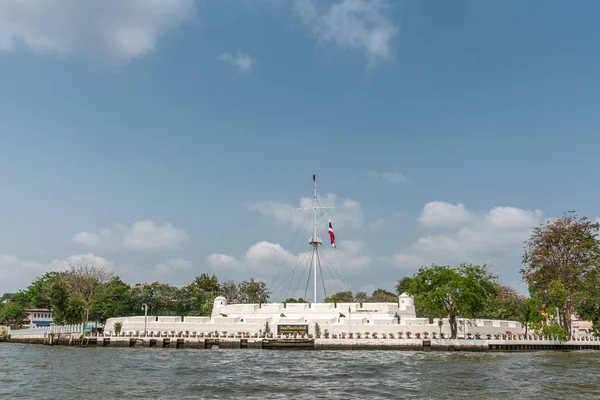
[440, 323]
[145, 307]
[87, 313]
[349, 320]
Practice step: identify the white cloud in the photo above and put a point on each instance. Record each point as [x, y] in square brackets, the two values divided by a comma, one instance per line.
[598, 220]
[89, 258]
[266, 258]
[112, 30]
[347, 213]
[142, 235]
[478, 237]
[17, 274]
[284, 270]
[242, 62]
[172, 266]
[354, 259]
[355, 24]
[440, 213]
[262, 257]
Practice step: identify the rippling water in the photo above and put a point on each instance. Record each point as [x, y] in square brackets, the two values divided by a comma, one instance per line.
[32, 371]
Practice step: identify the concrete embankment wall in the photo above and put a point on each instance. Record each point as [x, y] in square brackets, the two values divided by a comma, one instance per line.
[309, 344]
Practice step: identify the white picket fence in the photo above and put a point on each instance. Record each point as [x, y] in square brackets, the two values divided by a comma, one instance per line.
[75, 328]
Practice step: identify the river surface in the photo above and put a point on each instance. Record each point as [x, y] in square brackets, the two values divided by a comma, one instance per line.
[34, 371]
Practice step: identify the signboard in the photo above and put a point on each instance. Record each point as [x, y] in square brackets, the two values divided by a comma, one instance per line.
[292, 329]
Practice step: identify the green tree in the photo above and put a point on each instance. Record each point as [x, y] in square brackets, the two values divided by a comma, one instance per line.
[12, 314]
[293, 300]
[403, 285]
[505, 304]
[530, 314]
[443, 291]
[85, 283]
[161, 298]
[588, 307]
[66, 310]
[361, 297]
[36, 295]
[115, 301]
[199, 295]
[340, 297]
[229, 289]
[253, 292]
[560, 257]
[383, 296]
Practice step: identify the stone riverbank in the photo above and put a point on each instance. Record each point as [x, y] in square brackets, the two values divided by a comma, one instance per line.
[310, 344]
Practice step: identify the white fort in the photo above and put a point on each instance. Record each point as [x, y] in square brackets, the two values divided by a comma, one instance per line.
[337, 318]
[309, 318]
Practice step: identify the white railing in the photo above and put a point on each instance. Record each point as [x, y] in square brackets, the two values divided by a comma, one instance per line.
[75, 328]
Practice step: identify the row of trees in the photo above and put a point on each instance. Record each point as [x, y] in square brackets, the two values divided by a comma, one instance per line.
[89, 292]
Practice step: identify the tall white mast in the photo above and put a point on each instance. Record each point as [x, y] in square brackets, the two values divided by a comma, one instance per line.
[315, 241]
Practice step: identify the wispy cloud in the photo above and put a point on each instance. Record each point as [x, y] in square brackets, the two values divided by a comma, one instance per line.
[468, 236]
[355, 24]
[242, 62]
[142, 235]
[113, 31]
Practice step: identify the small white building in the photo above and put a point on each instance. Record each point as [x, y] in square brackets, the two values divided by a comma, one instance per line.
[38, 317]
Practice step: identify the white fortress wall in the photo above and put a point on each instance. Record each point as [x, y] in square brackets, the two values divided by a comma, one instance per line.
[337, 318]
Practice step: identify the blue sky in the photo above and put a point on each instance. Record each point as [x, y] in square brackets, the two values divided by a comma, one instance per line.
[168, 138]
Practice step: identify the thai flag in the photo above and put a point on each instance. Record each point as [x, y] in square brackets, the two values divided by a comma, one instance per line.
[331, 234]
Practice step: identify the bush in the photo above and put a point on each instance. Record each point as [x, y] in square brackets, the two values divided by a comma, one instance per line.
[117, 326]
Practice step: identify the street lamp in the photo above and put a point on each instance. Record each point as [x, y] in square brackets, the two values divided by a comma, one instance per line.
[349, 320]
[145, 307]
[440, 323]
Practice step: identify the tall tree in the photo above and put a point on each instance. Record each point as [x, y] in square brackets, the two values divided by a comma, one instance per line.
[505, 304]
[383, 296]
[229, 289]
[293, 300]
[588, 306]
[361, 297]
[403, 285]
[340, 297]
[115, 301]
[530, 313]
[36, 295]
[559, 259]
[253, 292]
[199, 295]
[161, 298]
[443, 291]
[85, 283]
[12, 314]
